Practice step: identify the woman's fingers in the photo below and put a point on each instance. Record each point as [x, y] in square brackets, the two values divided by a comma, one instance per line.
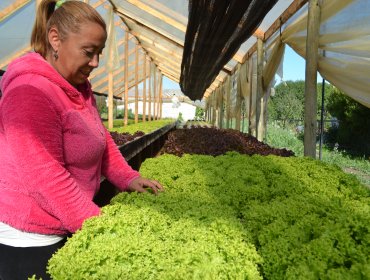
[142, 184]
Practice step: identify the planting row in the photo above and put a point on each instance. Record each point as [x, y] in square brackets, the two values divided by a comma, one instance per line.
[214, 141]
[228, 217]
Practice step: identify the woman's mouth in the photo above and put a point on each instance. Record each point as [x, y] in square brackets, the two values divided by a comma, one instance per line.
[85, 73]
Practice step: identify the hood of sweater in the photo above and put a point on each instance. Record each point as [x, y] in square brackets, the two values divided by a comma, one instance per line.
[34, 63]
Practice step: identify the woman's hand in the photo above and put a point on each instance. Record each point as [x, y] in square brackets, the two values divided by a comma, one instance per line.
[141, 184]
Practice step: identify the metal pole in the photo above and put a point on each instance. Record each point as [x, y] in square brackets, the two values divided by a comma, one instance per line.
[322, 118]
[243, 122]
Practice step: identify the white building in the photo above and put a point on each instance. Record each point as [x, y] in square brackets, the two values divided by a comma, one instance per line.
[174, 102]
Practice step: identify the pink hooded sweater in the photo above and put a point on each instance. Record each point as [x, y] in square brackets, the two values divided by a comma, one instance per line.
[53, 150]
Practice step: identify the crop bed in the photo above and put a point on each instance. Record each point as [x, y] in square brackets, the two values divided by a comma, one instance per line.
[121, 138]
[228, 217]
[214, 141]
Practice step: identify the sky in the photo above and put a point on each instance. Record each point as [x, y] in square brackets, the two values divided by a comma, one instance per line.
[293, 65]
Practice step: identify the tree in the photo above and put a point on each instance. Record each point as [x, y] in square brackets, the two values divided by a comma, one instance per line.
[353, 132]
[199, 113]
[287, 103]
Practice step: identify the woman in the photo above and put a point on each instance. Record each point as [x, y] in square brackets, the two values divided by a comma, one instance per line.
[53, 145]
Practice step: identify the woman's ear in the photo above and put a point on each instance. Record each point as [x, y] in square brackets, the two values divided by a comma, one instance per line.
[54, 38]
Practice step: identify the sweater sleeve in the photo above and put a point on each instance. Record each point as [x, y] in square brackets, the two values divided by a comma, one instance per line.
[114, 167]
[33, 129]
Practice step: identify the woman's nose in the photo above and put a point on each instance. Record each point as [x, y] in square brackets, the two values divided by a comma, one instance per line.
[94, 62]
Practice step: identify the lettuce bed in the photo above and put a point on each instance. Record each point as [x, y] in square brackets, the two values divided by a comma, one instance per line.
[145, 127]
[228, 217]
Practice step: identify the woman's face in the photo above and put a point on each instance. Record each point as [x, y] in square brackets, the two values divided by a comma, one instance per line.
[79, 53]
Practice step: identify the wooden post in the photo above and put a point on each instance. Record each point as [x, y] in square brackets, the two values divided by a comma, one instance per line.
[155, 94]
[214, 115]
[144, 87]
[238, 113]
[260, 101]
[150, 92]
[110, 80]
[110, 100]
[228, 94]
[136, 83]
[160, 96]
[252, 102]
[125, 122]
[312, 43]
[221, 113]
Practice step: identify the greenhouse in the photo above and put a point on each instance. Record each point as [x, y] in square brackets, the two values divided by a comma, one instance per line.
[240, 201]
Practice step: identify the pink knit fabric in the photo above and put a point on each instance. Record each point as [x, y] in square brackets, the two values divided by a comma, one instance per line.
[53, 150]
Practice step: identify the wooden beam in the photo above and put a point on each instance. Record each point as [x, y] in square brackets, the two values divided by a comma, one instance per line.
[170, 75]
[131, 83]
[102, 69]
[127, 28]
[12, 8]
[238, 57]
[249, 53]
[98, 85]
[174, 72]
[148, 9]
[105, 78]
[151, 42]
[285, 16]
[164, 58]
[259, 33]
[97, 4]
[157, 31]
[166, 10]
[312, 44]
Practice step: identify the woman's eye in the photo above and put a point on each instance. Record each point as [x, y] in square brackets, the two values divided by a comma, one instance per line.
[89, 54]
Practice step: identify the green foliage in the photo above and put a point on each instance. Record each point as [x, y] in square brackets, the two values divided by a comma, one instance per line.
[180, 118]
[34, 277]
[287, 104]
[305, 218]
[146, 127]
[360, 167]
[353, 132]
[199, 113]
[119, 123]
[103, 109]
[101, 104]
[279, 137]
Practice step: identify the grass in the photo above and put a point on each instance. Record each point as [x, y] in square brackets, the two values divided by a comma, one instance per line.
[279, 137]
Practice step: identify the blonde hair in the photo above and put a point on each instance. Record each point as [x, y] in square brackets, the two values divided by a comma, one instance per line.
[66, 18]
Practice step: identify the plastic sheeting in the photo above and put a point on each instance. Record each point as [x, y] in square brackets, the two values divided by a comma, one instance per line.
[344, 53]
